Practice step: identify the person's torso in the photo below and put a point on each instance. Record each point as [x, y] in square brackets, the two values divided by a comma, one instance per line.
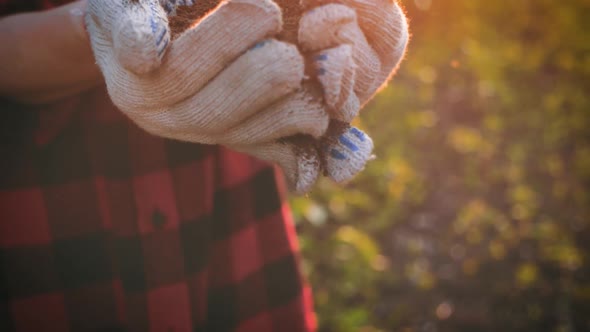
[104, 227]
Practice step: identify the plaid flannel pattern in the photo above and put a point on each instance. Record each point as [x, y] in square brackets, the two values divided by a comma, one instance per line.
[15, 6]
[104, 227]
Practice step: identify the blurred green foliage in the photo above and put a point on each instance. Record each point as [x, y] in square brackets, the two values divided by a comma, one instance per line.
[476, 214]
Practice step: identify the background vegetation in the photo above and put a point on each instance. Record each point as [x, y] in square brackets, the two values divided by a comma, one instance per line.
[476, 214]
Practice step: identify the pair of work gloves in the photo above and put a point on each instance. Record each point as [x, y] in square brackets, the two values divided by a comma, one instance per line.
[279, 80]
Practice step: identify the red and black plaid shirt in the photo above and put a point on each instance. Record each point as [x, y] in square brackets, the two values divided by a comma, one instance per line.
[106, 228]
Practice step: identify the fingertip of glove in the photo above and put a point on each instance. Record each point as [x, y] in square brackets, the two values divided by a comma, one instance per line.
[307, 169]
[285, 58]
[336, 70]
[347, 153]
[140, 40]
[348, 110]
[323, 21]
[307, 175]
[270, 8]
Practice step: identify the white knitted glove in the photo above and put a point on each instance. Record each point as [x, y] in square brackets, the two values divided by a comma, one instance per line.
[373, 34]
[356, 47]
[223, 81]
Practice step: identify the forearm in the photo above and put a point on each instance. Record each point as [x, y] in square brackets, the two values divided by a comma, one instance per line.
[46, 55]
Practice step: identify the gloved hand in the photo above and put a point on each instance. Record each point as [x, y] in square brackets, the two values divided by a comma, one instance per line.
[222, 81]
[356, 46]
[352, 48]
[210, 89]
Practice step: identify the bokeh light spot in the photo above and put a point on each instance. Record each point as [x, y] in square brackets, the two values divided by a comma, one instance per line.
[444, 310]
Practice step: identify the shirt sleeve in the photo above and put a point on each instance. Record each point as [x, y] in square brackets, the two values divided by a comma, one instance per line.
[10, 7]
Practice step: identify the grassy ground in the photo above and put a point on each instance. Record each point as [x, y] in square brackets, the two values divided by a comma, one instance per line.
[475, 216]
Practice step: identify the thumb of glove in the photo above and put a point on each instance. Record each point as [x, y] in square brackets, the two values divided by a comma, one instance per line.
[137, 31]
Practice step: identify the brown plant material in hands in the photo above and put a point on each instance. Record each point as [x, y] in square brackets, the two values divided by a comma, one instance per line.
[186, 16]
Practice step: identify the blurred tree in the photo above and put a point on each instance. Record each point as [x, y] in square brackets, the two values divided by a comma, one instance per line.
[476, 214]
